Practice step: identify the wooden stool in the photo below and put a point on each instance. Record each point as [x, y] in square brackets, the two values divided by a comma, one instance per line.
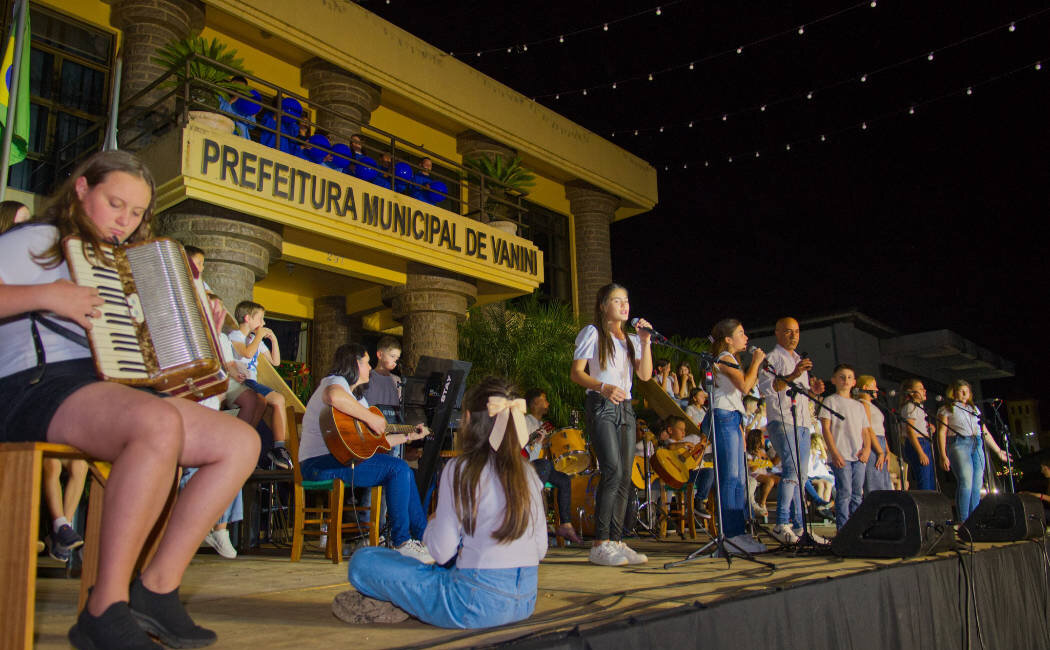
[20, 476]
[682, 513]
[551, 493]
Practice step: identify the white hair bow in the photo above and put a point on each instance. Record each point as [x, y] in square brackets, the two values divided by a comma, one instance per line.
[503, 409]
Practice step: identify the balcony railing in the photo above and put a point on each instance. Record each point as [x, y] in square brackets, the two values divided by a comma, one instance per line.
[150, 113]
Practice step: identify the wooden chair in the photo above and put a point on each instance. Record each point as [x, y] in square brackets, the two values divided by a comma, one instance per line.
[20, 477]
[682, 511]
[327, 518]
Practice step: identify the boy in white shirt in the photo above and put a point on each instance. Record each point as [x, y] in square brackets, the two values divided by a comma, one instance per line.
[848, 441]
[248, 342]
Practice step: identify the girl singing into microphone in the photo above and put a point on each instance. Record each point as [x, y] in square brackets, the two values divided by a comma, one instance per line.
[959, 435]
[918, 451]
[731, 382]
[603, 362]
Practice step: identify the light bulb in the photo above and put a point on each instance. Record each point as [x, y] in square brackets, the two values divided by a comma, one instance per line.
[661, 129]
[873, 3]
[801, 30]
[508, 50]
[658, 11]
[1013, 27]
[969, 91]
[763, 109]
[636, 131]
[730, 159]
[691, 66]
[863, 78]
[787, 147]
[685, 165]
[561, 39]
[525, 47]
[809, 95]
[725, 117]
[1038, 65]
[557, 97]
[929, 57]
[667, 168]
[650, 76]
[756, 154]
[911, 110]
[614, 85]
[707, 163]
[739, 50]
[690, 125]
[823, 138]
[479, 54]
[605, 27]
[864, 126]
[584, 91]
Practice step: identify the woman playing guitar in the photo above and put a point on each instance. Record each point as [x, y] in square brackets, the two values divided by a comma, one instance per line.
[339, 390]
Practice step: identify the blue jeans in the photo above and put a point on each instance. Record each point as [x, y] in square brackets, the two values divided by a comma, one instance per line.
[704, 480]
[729, 455]
[849, 489]
[233, 513]
[920, 477]
[966, 454]
[877, 479]
[463, 598]
[257, 387]
[789, 496]
[405, 512]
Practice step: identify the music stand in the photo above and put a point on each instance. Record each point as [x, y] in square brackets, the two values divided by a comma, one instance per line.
[434, 395]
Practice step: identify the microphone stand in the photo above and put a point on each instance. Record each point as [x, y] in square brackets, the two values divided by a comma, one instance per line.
[896, 418]
[649, 524]
[719, 543]
[933, 450]
[806, 541]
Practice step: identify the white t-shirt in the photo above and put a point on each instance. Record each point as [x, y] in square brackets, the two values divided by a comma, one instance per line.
[17, 266]
[618, 370]
[696, 414]
[533, 424]
[445, 534]
[778, 403]
[727, 396]
[917, 417]
[848, 433]
[877, 421]
[311, 442]
[963, 419]
[251, 364]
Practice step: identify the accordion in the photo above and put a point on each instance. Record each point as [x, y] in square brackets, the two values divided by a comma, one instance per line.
[154, 330]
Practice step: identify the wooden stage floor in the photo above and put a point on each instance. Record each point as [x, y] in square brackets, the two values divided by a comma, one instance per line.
[265, 601]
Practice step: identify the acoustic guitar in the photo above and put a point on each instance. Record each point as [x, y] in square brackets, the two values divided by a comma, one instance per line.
[351, 440]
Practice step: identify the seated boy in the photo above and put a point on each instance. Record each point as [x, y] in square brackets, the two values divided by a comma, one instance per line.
[248, 341]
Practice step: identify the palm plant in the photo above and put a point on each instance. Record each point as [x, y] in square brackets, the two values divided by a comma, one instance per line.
[510, 173]
[529, 343]
[207, 81]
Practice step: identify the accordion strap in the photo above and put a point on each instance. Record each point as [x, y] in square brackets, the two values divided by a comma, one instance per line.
[61, 330]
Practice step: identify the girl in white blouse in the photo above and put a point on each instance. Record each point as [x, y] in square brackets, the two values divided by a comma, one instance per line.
[960, 433]
[487, 536]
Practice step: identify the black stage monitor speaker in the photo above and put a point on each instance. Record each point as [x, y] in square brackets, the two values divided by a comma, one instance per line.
[890, 523]
[1005, 518]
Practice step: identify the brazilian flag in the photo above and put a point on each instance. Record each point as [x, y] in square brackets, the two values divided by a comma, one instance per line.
[20, 139]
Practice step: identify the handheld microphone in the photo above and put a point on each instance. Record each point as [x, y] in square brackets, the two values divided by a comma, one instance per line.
[658, 337]
[803, 355]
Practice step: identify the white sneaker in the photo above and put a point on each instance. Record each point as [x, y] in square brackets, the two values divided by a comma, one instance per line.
[416, 550]
[819, 539]
[783, 534]
[220, 541]
[738, 544]
[607, 554]
[633, 556]
[759, 511]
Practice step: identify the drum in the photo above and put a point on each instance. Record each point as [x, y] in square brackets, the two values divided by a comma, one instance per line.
[673, 464]
[584, 489]
[568, 451]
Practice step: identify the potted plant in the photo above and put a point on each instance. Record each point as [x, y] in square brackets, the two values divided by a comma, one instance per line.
[208, 82]
[516, 180]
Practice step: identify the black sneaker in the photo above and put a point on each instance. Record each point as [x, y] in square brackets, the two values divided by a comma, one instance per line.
[115, 629]
[280, 458]
[163, 616]
[61, 544]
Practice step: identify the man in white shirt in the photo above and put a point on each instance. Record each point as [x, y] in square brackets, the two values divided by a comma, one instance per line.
[537, 405]
[787, 363]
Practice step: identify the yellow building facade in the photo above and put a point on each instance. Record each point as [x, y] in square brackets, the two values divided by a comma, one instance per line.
[311, 243]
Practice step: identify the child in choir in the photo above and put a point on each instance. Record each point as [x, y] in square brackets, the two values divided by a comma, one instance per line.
[51, 392]
[248, 342]
[760, 468]
[962, 438]
[877, 473]
[604, 361]
[915, 432]
[848, 441]
[727, 414]
[490, 529]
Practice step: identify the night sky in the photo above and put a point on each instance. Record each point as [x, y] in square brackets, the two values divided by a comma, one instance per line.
[925, 221]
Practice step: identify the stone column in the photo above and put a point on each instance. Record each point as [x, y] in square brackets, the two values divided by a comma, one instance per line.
[345, 93]
[331, 329]
[471, 144]
[237, 248]
[592, 212]
[146, 26]
[430, 307]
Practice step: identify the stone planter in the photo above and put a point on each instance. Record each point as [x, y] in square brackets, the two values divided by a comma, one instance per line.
[213, 121]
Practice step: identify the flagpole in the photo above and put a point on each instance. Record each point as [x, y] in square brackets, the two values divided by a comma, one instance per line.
[12, 102]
